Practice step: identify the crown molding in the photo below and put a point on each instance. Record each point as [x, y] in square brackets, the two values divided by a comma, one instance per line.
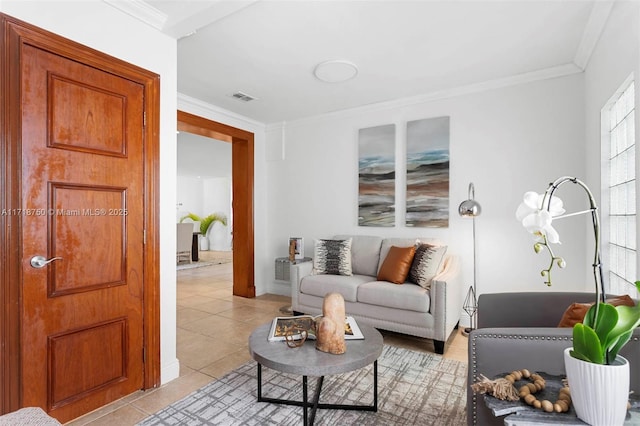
[592, 32]
[140, 10]
[196, 106]
[529, 77]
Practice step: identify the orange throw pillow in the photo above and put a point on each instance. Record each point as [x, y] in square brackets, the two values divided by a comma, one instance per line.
[397, 264]
[576, 311]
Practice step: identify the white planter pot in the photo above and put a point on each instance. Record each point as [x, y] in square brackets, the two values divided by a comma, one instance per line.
[599, 393]
[204, 243]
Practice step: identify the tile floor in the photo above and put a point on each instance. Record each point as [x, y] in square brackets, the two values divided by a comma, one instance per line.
[213, 329]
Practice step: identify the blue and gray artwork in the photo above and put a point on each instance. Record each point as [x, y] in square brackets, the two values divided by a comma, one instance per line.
[428, 173]
[376, 176]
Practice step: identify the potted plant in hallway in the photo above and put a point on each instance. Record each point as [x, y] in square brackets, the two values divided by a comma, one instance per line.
[205, 224]
[598, 376]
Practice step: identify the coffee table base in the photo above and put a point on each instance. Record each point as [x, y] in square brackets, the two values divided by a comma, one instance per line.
[315, 404]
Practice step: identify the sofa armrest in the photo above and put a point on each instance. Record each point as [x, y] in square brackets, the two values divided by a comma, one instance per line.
[298, 271]
[446, 298]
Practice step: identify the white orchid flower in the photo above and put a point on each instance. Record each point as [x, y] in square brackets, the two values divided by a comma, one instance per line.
[539, 224]
[537, 219]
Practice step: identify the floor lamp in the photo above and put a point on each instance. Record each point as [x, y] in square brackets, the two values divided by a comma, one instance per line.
[471, 208]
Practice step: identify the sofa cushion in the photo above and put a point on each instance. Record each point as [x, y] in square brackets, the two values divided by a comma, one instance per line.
[320, 285]
[332, 257]
[396, 265]
[404, 296]
[426, 264]
[365, 253]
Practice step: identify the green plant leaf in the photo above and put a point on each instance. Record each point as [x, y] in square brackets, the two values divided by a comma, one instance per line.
[587, 344]
[628, 320]
[616, 346]
[577, 355]
[605, 322]
[209, 220]
[194, 217]
[206, 222]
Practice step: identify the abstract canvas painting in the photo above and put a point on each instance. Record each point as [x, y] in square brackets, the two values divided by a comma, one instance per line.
[376, 176]
[428, 173]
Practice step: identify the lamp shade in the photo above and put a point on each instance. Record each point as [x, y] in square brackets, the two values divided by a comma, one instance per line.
[470, 207]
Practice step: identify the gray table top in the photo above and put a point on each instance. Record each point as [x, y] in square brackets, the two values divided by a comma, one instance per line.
[307, 360]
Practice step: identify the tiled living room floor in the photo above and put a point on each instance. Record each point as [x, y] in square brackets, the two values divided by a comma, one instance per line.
[213, 329]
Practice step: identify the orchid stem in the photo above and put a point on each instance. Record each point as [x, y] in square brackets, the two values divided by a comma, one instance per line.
[554, 259]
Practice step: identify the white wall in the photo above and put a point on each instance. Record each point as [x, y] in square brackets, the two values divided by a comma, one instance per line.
[188, 196]
[102, 27]
[615, 58]
[506, 141]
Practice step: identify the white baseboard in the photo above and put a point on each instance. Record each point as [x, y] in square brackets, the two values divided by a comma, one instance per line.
[282, 288]
[170, 372]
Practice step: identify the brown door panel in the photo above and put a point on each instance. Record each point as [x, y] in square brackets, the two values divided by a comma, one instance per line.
[82, 178]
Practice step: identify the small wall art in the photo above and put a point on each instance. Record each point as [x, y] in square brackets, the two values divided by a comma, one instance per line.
[296, 248]
[376, 176]
[428, 173]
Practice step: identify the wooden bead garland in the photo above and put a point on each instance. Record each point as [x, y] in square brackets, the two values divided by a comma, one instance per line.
[527, 392]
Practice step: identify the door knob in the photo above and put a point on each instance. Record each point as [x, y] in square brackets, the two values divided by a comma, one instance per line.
[41, 261]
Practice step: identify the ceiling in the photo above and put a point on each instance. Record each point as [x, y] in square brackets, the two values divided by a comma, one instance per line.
[268, 49]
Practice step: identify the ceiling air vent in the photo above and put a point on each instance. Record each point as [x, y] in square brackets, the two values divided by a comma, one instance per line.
[243, 97]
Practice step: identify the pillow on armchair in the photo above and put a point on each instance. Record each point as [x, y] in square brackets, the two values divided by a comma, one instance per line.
[576, 311]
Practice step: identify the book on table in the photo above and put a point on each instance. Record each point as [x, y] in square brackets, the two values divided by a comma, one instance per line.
[296, 324]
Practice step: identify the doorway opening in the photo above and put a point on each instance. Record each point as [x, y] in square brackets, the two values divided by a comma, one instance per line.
[204, 199]
[242, 178]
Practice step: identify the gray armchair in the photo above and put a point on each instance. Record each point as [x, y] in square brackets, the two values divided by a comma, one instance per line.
[518, 330]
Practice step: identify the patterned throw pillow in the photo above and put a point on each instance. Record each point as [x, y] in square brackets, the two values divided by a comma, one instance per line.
[426, 264]
[332, 257]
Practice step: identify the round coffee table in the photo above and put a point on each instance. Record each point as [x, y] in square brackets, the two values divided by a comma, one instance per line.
[306, 361]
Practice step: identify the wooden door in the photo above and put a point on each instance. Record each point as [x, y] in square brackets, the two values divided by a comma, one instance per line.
[82, 211]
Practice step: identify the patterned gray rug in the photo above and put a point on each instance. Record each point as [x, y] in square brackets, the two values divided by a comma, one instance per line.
[414, 388]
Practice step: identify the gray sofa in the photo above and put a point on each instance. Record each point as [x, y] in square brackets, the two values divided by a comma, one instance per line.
[405, 308]
[518, 330]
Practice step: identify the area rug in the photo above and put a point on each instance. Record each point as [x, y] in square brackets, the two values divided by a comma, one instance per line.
[193, 265]
[414, 388]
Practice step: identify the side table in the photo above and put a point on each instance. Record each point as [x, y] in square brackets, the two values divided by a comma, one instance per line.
[306, 361]
[283, 265]
[520, 414]
[283, 273]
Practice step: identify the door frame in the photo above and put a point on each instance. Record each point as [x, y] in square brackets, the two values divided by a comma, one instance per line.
[242, 178]
[13, 34]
